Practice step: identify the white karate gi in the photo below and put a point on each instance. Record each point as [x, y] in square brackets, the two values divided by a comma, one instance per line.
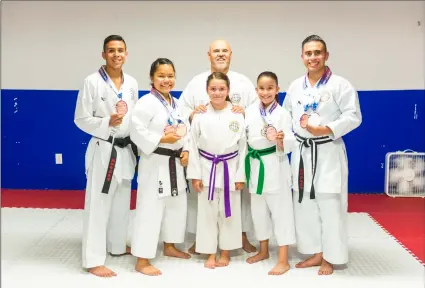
[217, 132]
[105, 217]
[321, 223]
[272, 211]
[242, 93]
[157, 212]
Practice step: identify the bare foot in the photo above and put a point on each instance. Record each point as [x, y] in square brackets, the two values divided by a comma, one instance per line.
[143, 266]
[258, 257]
[280, 269]
[248, 247]
[102, 271]
[192, 250]
[171, 251]
[224, 259]
[314, 260]
[326, 268]
[210, 263]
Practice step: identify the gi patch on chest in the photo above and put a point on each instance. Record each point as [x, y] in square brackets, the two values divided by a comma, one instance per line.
[325, 95]
[235, 98]
[160, 189]
[234, 126]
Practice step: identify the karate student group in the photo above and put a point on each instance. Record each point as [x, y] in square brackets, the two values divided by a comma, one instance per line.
[215, 162]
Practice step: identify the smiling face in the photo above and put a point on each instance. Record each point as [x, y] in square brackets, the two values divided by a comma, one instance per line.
[218, 90]
[267, 89]
[115, 54]
[163, 78]
[220, 56]
[314, 56]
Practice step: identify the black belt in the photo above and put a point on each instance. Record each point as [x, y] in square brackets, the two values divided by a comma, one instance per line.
[173, 154]
[309, 142]
[120, 142]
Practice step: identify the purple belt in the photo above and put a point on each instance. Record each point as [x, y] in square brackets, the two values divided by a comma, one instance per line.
[217, 159]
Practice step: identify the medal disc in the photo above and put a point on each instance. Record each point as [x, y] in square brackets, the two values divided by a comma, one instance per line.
[304, 121]
[271, 133]
[122, 107]
[169, 129]
[314, 119]
[181, 130]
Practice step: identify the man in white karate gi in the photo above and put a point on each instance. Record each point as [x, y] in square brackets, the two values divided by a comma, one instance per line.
[103, 110]
[193, 100]
[324, 107]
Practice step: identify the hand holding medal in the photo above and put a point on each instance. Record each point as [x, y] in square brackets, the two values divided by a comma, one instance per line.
[179, 129]
[116, 119]
[312, 118]
[270, 132]
[121, 107]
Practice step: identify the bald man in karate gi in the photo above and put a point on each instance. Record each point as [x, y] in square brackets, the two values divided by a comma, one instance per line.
[193, 100]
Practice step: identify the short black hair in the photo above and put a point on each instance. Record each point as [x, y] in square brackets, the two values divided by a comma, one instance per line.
[312, 38]
[113, 38]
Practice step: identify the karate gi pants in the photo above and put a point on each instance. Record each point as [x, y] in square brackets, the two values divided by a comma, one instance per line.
[321, 225]
[105, 216]
[272, 214]
[213, 228]
[192, 210]
[165, 216]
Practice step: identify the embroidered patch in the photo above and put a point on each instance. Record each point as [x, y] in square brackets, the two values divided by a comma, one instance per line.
[235, 98]
[234, 126]
[325, 95]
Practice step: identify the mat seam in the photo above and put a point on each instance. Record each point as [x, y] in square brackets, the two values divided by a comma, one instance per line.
[398, 241]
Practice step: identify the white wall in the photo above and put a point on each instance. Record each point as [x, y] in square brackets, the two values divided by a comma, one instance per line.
[54, 45]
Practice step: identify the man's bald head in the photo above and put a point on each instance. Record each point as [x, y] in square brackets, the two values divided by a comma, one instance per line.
[220, 56]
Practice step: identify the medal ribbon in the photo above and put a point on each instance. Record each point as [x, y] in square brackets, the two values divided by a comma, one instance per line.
[323, 80]
[263, 113]
[108, 81]
[170, 109]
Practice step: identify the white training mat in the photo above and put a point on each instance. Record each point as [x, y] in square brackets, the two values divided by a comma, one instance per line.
[42, 248]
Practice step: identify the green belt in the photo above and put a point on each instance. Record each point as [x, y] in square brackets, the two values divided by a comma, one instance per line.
[256, 154]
